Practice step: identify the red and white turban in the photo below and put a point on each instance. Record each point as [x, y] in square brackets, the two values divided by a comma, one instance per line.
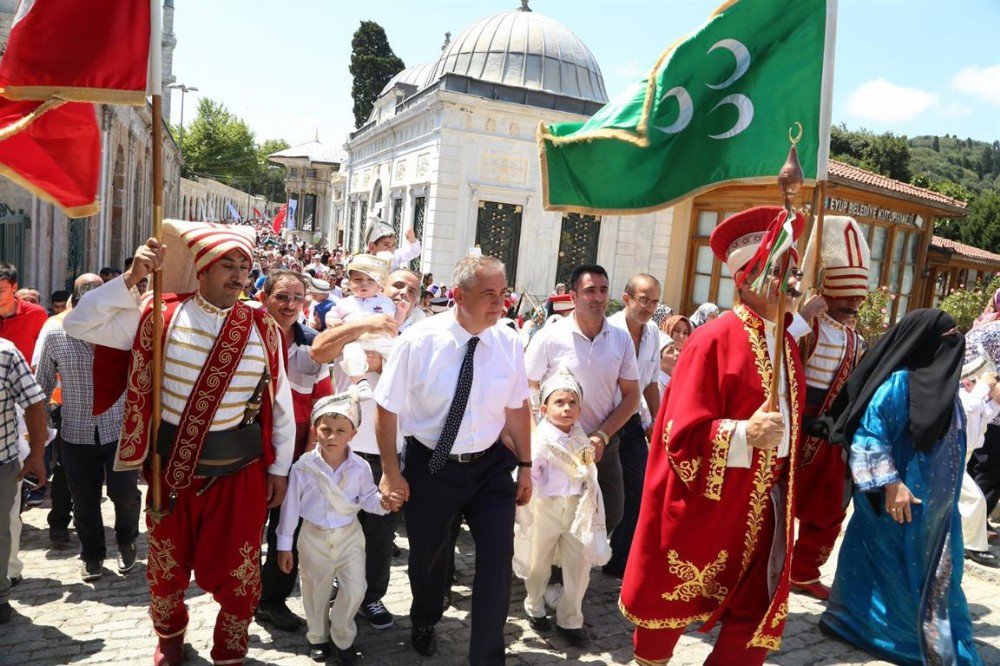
[206, 243]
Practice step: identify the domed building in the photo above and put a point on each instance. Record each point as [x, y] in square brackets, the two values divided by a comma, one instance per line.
[449, 150]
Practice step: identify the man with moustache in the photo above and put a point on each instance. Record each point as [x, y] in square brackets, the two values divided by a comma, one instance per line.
[284, 294]
[227, 431]
[829, 354]
[401, 286]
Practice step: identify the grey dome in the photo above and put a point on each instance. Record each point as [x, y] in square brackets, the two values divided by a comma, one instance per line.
[524, 49]
[413, 76]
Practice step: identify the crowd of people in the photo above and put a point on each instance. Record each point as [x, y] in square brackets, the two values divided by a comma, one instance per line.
[313, 404]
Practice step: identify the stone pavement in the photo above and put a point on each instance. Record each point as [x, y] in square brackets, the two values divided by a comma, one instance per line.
[61, 620]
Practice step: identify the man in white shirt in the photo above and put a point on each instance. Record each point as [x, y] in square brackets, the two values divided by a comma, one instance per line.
[602, 357]
[451, 385]
[641, 298]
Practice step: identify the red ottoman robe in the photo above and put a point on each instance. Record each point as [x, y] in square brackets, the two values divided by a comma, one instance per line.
[700, 523]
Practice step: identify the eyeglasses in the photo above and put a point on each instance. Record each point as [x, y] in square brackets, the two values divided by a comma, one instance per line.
[284, 299]
[647, 302]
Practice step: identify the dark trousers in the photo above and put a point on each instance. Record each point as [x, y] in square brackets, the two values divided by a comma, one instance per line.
[62, 501]
[609, 478]
[88, 467]
[483, 492]
[633, 451]
[380, 532]
[984, 467]
[276, 585]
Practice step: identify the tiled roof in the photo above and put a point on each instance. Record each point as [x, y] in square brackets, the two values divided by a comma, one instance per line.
[314, 151]
[964, 250]
[853, 174]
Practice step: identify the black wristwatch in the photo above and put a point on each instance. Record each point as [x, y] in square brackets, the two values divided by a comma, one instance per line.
[524, 464]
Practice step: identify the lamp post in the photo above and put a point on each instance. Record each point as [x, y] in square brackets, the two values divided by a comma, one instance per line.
[184, 91]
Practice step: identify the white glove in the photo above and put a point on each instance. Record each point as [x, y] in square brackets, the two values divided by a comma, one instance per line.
[353, 362]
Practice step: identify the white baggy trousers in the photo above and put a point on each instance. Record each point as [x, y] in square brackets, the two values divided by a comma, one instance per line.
[324, 555]
[550, 530]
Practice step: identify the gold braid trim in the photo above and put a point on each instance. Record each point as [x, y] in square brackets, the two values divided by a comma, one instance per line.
[662, 623]
[758, 503]
[717, 461]
[687, 470]
[696, 581]
[780, 615]
[666, 434]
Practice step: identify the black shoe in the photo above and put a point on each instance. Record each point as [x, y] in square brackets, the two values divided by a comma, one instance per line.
[539, 623]
[278, 616]
[424, 641]
[983, 557]
[575, 637]
[35, 497]
[5, 612]
[59, 536]
[91, 570]
[377, 615]
[319, 653]
[126, 558]
[347, 657]
[14, 581]
[396, 552]
[447, 600]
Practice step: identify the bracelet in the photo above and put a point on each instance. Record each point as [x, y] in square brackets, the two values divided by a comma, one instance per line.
[524, 464]
[604, 436]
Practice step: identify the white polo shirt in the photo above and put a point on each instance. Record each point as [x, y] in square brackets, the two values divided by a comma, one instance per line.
[648, 358]
[418, 382]
[598, 364]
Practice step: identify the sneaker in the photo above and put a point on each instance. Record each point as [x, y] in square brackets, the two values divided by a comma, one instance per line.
[126, 558]
[34, 497]
[5, 612]
[423, 640]
[553, 593]
[278, 616]
[377, 615]
[91, 570]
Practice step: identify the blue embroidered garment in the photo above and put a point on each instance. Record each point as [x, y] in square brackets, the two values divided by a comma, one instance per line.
[898, 588]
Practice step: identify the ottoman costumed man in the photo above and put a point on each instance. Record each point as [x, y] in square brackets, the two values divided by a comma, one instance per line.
[227, 430]
[829, 354]
[715, 523]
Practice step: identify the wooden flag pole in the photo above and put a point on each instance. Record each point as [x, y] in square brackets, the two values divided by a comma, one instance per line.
[157, 370]
[811, 258]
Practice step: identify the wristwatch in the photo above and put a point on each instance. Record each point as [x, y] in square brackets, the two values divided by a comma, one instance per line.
[524, 464]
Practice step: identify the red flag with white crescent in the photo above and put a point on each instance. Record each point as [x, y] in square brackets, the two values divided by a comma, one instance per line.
[83, 50]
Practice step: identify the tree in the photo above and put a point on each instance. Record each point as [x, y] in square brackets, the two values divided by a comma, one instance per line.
[219, 145]
[936, 145]
[982, 225]
[886, 154]
[270, 182]
[372, 65]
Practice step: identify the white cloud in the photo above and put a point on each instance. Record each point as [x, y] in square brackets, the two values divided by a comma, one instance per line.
[982, 82]
[954, 110]
[886, 102]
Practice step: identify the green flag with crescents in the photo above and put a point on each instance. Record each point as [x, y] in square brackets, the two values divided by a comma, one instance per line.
[716, 108]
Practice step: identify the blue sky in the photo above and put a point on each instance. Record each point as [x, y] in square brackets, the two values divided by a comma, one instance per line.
[916, 67]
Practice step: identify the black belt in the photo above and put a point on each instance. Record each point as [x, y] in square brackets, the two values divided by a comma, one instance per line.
[224, 451]
[370, 457]
[453, 457]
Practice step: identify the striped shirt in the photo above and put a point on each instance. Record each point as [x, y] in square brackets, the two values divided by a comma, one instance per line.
[73, 361]
[831, 345]
[17, 387]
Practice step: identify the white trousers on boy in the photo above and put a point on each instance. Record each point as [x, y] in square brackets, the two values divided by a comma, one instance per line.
[324, 555]
[552, 518]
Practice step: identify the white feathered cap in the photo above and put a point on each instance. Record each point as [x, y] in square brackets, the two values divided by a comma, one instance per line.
[561, 380]
[846, 258]
[347, 404]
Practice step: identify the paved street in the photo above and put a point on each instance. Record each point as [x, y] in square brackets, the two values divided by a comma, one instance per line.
[60, 620]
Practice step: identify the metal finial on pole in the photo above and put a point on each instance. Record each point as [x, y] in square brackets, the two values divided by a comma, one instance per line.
[447, 41]
[524, 6]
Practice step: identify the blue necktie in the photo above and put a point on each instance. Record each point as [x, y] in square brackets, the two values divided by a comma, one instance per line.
[455, 412]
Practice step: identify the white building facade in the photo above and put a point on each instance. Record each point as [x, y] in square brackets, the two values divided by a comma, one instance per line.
[450, 151]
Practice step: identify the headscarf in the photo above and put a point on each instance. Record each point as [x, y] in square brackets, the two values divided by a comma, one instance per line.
[991, 312]
[670, 323]
[701, 315]
[935, 366]
[662, 312]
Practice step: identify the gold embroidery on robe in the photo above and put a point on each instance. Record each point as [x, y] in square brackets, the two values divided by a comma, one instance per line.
[687, 470]
[162, 608]
[696, 581]
[660, 623]
[248, 573]
[237, 637]
[717, 461]
[160, 563]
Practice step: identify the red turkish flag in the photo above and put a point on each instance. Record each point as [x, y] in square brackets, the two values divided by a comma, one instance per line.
[279, 219]
[82, 50]
[53, 149]
[257, 212]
